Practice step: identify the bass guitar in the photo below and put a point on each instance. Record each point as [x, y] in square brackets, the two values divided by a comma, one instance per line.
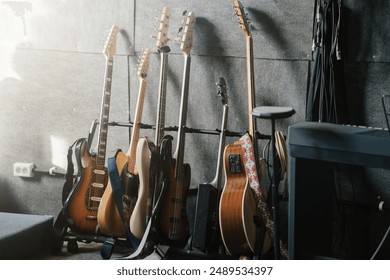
[109, 218]
[147, 151]
[238, 206]
[172, 222]
[206, 236]
[83, 202]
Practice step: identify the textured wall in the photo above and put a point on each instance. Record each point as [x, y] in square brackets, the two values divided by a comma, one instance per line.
[52, 76]
[52, 68]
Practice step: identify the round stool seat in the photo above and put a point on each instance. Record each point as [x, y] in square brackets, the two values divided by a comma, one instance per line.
[272, 112]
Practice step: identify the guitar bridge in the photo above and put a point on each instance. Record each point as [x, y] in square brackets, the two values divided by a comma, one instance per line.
[235, 163]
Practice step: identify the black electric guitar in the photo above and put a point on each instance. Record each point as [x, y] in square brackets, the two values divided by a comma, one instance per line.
[172, 221]
[109, 218]
[206, 236]
[82, 204]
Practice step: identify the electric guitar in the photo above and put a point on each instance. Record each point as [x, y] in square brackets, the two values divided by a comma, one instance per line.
[172, 222]
[82, 204]
[147, 150]
[206, 236]
[109, 219]
[238, 204]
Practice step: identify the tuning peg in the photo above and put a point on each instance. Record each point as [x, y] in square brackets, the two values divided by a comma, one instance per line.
[184, 13]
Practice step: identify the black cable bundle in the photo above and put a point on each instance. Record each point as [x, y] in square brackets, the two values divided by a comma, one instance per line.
[326, 94]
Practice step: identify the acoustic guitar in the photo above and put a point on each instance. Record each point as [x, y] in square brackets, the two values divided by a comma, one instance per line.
[238, 206]
[147, 151]
[83, 202]
[109, 219]
[172, 221]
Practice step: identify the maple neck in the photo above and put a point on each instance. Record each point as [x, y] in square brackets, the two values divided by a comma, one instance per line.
[179, 152]
[218, 175]
[104, 115]
[251, 89]
[162, 93]
[131, 153]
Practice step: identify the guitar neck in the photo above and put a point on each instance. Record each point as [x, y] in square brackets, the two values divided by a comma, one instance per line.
[179, 153]
[218, 175]
[131, 153]
[160, 123]
[251, 91]
[104, 114]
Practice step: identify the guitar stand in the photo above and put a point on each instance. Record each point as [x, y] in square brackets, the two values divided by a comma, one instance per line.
[272, 113]
[62, 231]
[261, 231]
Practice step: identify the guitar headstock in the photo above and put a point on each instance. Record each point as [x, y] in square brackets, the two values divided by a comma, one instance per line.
[143, 65]
[110, 46]
[162, 36]
[242, 18]
[187, 32]
[222, 90]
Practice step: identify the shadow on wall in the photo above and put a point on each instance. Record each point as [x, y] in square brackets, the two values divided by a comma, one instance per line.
[8, 203]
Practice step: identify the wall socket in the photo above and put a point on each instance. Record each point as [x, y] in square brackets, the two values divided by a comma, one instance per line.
[24, 169]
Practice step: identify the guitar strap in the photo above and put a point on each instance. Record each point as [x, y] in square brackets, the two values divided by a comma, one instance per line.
[254, 183]
[68, 185]
[117, 193]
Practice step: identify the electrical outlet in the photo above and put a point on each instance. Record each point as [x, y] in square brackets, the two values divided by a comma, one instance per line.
[23, 169]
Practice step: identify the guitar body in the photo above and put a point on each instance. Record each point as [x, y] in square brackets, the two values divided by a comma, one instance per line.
[172, 216]
[109, 220]
[237, 206]
[83, 201]
[146, 173]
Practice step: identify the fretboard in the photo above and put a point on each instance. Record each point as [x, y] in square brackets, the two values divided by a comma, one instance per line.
[162, 90]
[179, 153]
[104, 114]
[251, 91]
[131, 153]
[218, 174]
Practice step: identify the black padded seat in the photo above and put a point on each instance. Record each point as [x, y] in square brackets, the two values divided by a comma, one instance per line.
[24, 235]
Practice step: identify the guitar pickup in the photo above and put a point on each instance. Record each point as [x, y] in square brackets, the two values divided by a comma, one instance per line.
[235, 163]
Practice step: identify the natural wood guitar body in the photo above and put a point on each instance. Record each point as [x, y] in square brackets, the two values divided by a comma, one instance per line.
[109, 220]
[142, 209]
[172, 222]
[237, 207]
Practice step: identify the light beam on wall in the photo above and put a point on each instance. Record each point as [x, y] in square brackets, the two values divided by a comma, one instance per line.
[59, 151]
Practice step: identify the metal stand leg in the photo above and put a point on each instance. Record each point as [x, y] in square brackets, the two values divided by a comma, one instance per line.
[274, 189]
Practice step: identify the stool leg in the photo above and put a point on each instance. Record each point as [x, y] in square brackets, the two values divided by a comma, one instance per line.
[274, 189]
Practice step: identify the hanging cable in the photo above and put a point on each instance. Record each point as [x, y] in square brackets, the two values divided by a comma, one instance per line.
[326, 87]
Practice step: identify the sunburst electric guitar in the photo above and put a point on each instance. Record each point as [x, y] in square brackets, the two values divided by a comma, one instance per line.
[109, 219]
[172, 219]
[83, 202]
